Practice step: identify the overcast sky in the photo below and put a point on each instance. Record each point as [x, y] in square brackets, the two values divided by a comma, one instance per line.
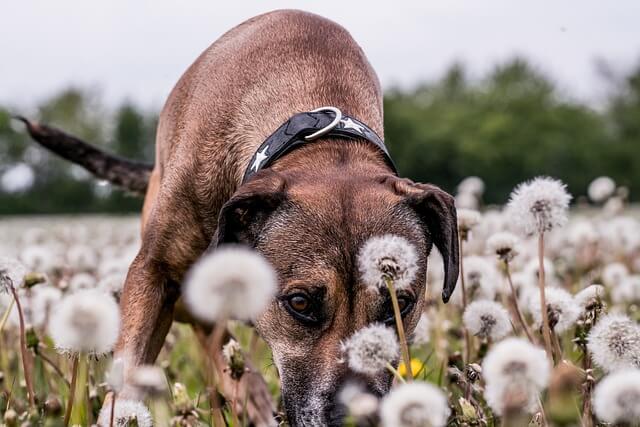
[138, 49]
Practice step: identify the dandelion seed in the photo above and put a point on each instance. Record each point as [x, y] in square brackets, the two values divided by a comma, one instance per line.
[234, 358]
[467, 220]
[616, 398]
[561, 308]
[358, 402]
[588, 295]
[503, 244]
[487, 319]
[613, 273]
[471, 185]
[480, 278]
[627, 291]
[127, 411]
[422, 332]
[614, 343]
[371, 349]
[232, 282]
[388, 256]
[601, 189]
[12, 274]
[416, 404]
[149, 380]
[515, 373]
[85, 322]
[539, 205]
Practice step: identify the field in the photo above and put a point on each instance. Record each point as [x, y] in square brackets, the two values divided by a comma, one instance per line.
[468, 359]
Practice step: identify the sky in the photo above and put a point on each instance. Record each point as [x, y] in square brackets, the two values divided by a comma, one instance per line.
[137, 50]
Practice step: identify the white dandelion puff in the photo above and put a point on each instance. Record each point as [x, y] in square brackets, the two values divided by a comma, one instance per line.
[81, 281]
[616, 398]
[112, 283]
[232, 282]
[85, 322]
[480, 278]
[125, 412]
[539, 205]
[614, 343]
[562, 309]
[466, 201]
[601, 188]
[149, 380]
[40, 258]
[358, 402]
[503, 245]
[613, 273]
[471, 185]
[369, 350]
[81, 257]
[627, 291]
[467, 220]
[115, 375]
[388, 256]
[422, 332]
[43, 299]
[12, 274]
[515, 373]
[487, 319]
[589, 294]
[415, 404]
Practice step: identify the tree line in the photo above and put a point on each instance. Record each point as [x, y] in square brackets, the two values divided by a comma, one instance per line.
[510, 125]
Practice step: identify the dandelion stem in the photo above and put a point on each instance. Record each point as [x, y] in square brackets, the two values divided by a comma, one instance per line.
[53, 365]
[546, 331]
[26, 359]
[113, 408]
[72, 389]
[516, 306]
[467, 338]
[400, 326]
[395, 373]
[6, 314]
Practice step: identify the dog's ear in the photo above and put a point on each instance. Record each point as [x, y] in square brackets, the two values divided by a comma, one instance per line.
[436, 209]
[243, 217]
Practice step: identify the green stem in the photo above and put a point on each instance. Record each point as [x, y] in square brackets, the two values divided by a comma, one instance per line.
[395, 373]
[546, 330]
[72, 390]
[400, 327]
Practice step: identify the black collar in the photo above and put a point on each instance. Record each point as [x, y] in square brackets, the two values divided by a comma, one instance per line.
[303, 128]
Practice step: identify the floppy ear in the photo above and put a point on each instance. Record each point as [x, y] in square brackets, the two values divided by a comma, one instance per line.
[436, 208]
[243, 217]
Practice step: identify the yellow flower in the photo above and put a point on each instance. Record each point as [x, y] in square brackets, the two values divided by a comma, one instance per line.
[416, 367]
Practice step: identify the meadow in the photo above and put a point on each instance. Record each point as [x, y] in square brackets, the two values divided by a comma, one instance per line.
[489, 357]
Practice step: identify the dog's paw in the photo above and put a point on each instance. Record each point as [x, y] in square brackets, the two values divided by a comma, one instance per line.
[124, 412]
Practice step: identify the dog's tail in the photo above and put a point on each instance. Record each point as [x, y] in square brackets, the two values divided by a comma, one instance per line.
[131, 175]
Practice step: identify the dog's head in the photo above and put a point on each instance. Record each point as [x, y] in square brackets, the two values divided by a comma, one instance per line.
[311, 229]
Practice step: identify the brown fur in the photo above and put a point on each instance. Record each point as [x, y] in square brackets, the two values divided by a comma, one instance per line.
[308, 214]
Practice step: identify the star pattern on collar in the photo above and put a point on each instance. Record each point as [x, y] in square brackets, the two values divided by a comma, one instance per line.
[350, 124]
[260, 157]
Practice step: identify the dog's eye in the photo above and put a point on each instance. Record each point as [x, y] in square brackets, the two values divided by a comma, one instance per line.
[299, 303]
[405, 303]
[303, 307]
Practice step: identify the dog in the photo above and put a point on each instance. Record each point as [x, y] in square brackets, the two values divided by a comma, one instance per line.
[309, 212]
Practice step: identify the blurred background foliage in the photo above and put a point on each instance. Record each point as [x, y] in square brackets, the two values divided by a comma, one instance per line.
[510, 125]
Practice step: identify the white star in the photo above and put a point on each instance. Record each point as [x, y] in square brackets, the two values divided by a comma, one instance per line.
[350, 124]
[260, 156]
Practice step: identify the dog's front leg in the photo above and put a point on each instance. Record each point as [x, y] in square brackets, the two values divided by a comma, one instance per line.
[147, 306]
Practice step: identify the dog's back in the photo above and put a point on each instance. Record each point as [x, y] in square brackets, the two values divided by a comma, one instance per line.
[253, 79]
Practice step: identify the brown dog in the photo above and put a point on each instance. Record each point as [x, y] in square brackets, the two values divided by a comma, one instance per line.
[308, 214]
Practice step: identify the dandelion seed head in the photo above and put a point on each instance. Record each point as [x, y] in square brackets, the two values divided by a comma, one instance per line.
[85, 322]
[589, 294]
[415, 404]
[115, 375]
[12, 273]
[562, 309]
[232, 282]
[614, 343]
[467, 220]
[81, 281]
[40, 258]
[613, 273]
[515, 368]
[149, 380]
[539, 205]
[471, 185]
[112, 283]
[81, 257]
[487, 319]
[388, 256]
[466, 201]
[480, 278]
[616, 398]
[627, 291]
[370, 349]
[125, 411]
[601, 188]
[581, 233]
[358, 402]
[503, 245]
